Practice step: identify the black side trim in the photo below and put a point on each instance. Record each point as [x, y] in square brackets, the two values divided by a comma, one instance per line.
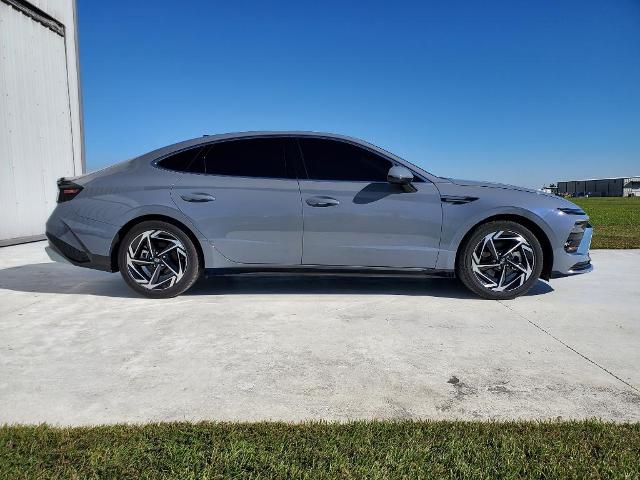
[38, 15]
[581, 266]
[317, 270]
[100, 262]
[457, 200]
[577, 268]
[68, 251]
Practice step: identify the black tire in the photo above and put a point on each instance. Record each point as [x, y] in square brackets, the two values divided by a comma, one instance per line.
[476, 243]
[188, 266]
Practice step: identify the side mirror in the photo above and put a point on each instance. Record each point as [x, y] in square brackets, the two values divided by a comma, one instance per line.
[400, 175]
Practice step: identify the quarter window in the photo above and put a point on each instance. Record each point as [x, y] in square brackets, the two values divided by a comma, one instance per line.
[334, 160]
[181, 161]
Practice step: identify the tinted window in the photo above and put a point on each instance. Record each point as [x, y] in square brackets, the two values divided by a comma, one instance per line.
[181, 161]
[257, 157]
[332, 160]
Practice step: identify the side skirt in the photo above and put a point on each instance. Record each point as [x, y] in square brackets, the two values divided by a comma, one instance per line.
[319, 270]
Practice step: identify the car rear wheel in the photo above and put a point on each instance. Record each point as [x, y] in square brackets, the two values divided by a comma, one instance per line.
[500, 260]
[158, 260]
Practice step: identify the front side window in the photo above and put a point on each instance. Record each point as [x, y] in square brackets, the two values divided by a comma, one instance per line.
[254, 157]
[334, 160]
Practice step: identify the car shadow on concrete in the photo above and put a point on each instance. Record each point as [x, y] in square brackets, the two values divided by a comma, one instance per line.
[66, 279]
[55, 277]
[310, 285]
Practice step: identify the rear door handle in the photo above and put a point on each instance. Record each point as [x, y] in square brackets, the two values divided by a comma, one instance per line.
[197, 197]
[322, 201]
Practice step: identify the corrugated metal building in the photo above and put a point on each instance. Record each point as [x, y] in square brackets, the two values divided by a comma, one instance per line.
[603, 187]
[40, 112]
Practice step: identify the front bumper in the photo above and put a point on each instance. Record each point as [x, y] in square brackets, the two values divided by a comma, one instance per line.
[574, 263]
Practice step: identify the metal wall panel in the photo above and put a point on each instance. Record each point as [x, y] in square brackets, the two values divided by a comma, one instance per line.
[36, 145]
[606, 187]
[615, 187]
[602, 187]
[562, 187]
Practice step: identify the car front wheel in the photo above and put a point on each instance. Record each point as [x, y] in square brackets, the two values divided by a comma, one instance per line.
[500, 260]
[158, 260]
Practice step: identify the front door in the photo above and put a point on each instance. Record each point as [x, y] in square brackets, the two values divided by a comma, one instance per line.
[353, 216]
[245, 201]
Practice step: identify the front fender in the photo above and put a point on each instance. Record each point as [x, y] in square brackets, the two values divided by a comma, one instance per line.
[458, 220]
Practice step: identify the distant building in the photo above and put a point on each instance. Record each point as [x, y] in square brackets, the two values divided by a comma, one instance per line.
[602, 187]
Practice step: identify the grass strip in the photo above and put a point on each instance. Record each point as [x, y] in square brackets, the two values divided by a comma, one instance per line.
[616, 220]
[362, 449]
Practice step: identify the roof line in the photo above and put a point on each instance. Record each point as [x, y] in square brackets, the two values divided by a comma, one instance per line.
[596, 179]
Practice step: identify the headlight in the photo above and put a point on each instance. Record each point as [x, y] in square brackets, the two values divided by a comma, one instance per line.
[572, 211]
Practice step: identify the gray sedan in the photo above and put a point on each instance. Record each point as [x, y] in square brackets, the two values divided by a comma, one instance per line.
[308, 203]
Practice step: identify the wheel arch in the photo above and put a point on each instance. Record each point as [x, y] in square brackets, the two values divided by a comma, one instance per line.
[541, 235]
[115, 244]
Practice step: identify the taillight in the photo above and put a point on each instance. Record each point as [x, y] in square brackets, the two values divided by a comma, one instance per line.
[67, 190]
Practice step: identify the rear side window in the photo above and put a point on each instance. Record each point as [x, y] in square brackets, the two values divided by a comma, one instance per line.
[333, 160]
[182, 161]
[255, 157]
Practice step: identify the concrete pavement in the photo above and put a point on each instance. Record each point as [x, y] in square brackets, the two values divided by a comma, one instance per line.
[78, 347]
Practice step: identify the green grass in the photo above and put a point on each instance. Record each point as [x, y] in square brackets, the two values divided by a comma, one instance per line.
[616, 221]
[377, 449]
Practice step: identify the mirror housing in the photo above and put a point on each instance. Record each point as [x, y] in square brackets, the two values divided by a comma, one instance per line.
[400, 175]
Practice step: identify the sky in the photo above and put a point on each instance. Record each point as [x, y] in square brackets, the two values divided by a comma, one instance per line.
[522, 92]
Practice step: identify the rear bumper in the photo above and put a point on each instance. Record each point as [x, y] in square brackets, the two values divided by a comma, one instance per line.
[54, 255]
[80, 241]
[60, 251]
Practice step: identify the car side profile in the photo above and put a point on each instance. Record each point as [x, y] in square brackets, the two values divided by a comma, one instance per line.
[308, 203]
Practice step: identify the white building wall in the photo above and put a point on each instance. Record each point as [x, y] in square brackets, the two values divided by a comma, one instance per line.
[632, 187]
[66, 13]
[40, 117]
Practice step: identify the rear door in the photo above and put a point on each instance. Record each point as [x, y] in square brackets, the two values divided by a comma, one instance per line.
[246, 200]
[354, 217]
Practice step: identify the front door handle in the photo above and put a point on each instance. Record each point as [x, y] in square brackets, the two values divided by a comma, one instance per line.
[197, 197]
[322, 201]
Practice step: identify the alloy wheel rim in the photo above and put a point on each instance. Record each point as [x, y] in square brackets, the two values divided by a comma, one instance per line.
[156, 259]
[503, 261]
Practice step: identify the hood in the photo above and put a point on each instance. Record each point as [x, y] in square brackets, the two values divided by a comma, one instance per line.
[504, 186]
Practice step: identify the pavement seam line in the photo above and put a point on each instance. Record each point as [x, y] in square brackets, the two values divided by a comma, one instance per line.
[569, 346]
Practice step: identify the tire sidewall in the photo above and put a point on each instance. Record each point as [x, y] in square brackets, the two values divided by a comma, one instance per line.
[191, 274]
[465, 272]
